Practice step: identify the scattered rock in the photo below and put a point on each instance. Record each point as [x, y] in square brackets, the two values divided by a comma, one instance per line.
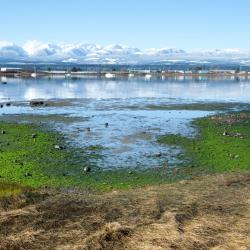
[183, 182]
[37, 103]
[88, 129]
[34, 136]
[233, 156]
[237, 134]
[27, 174]
[233, 134]
[86, 169]
[18, 162]
[58, 147]
[130, 172]
[158, 154]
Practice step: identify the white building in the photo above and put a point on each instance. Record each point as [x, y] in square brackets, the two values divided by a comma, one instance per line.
[10, 69]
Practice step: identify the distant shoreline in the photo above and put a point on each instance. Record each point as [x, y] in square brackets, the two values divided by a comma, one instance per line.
[126, 74]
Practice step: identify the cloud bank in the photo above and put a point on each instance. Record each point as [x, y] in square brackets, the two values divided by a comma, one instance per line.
[111, 54]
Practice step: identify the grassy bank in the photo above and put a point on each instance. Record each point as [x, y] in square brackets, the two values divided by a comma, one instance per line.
[222, 144]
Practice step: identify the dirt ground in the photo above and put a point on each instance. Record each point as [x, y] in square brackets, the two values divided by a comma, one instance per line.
[211, 212]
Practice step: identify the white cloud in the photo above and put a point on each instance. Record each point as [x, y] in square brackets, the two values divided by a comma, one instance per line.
[39, 49]
[114, 53]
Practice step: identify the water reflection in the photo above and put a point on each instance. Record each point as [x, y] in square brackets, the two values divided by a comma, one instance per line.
[182, 89]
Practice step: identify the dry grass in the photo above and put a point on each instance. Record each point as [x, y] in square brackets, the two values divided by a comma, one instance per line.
[210, 212]
[7, 189]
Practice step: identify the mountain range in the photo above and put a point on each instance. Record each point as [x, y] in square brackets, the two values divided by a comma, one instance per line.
[113, 54]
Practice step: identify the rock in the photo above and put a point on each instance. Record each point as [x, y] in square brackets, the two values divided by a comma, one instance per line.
[4, 82]
[106, 124]
[88, 129]
[58, 147]
[225, 133]
[8, 104]
[158, 154]
[27, 174]
[3, 132]
[86, 169]
[33, 136]
[183, 182]
[237, 134]
[130, 172]
[1, 106]
[37, 103]
[18, 162]
[236, 156]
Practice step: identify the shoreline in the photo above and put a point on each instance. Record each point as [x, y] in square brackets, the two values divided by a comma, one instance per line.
[121, 74]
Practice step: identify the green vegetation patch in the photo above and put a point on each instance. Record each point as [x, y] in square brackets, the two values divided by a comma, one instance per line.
[33, 156]
[222, 145]
[202, 106]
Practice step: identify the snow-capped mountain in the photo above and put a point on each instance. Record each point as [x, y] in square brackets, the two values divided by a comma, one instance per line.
[9, 50]
[111, 54]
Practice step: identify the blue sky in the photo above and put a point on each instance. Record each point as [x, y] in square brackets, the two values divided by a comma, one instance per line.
[187, 24]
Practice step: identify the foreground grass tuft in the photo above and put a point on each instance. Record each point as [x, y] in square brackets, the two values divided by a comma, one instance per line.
[7, 190]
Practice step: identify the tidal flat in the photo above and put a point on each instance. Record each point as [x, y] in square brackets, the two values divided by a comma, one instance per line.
[35, 156]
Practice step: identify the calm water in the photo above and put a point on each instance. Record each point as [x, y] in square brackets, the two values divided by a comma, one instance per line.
[130, 138]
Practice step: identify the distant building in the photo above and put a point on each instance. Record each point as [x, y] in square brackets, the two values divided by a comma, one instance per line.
[142, 71]
[176, 71]
[11, 70]
[202, 71]
[243, 73]
[222, 71]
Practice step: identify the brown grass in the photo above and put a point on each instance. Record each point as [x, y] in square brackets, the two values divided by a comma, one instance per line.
[211, 212]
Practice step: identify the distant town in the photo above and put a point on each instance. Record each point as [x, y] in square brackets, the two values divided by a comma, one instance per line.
[113, 71]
